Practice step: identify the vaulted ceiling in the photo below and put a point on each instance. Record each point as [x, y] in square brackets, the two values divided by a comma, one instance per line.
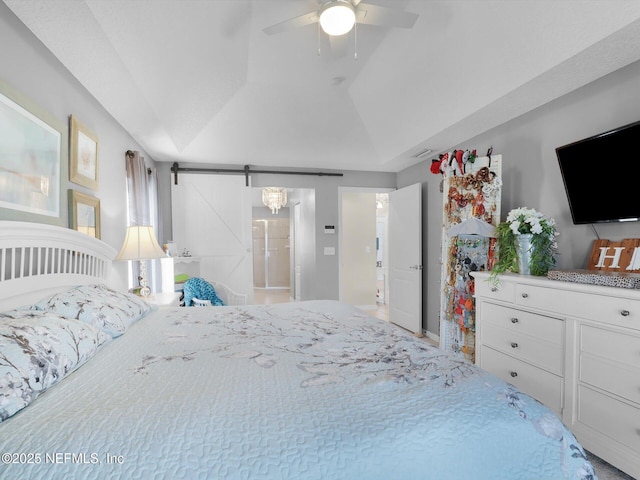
[200, 80]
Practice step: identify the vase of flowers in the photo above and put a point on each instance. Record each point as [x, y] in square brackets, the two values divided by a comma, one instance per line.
[526, 243]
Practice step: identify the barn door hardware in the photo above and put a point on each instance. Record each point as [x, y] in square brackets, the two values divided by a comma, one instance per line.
[175, 168]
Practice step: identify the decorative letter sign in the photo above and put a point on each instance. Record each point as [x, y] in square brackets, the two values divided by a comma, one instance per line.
[621, 256]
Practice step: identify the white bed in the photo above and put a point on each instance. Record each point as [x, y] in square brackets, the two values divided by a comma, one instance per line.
[313, 390]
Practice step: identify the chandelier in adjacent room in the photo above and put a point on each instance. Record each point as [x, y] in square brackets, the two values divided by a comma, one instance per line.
[382, 200]
[274, 198]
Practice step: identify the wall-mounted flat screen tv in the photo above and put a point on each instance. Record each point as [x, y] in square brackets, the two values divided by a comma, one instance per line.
[601, 176]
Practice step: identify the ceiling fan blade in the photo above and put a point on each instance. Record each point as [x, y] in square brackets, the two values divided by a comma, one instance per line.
[296, 22]
[369, 14]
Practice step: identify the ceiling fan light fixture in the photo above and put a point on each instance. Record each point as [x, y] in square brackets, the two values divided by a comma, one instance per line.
[337, 17]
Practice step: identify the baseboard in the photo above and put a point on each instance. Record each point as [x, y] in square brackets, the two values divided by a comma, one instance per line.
[367, 307]
[432, 337]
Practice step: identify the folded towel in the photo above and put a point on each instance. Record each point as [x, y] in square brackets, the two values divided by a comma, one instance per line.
[181, 278]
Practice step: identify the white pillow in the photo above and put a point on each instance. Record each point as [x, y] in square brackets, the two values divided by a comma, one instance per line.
[37, 350]
[111, 311]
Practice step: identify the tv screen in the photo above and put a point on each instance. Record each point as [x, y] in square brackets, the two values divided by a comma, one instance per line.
[601, 176]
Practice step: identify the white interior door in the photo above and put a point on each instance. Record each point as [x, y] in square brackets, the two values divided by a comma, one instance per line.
[297, 248]
[211, 217]
[405, 257]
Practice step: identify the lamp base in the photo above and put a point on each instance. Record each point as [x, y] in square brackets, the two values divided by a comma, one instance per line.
[145, 291]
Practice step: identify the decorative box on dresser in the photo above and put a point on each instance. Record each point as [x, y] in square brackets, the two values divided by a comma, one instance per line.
[572, 346]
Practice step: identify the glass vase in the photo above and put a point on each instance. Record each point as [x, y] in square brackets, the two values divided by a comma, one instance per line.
[524, 248]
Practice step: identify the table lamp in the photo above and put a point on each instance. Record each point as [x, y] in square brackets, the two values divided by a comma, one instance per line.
[140, 244]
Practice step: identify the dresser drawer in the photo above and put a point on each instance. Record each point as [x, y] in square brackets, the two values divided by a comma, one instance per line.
[547, 328]
[615, 419]
[524, 347]
[543, 386]
[601, 308]
[611, 361]
[503, 291]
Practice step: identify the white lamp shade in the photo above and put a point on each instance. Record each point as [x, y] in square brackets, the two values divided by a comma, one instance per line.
[337, 17]
[140, 244]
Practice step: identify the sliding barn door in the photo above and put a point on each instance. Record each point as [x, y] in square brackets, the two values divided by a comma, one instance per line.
[211, 217]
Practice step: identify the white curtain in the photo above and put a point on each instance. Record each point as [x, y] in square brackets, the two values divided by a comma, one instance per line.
[142, 201]
[138, 189]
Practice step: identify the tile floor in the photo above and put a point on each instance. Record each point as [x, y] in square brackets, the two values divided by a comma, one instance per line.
[269, 296]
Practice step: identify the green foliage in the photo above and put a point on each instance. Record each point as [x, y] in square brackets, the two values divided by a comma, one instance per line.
[543, 245]
[507, 250]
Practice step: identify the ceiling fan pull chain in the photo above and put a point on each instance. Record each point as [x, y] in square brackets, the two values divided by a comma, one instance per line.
[318, 38]
[355, 41]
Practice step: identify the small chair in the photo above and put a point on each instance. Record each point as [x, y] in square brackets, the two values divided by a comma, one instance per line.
[196, 302]
[228, 296]
[196, 290]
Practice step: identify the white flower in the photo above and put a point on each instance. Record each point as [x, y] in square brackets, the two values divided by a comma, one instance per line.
[528, 220]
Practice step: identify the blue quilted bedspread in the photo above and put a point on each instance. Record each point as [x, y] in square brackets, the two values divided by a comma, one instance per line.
[310, 390]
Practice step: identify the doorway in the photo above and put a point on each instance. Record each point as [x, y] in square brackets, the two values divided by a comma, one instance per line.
[271, 253]
[364, 249]
[298, 225]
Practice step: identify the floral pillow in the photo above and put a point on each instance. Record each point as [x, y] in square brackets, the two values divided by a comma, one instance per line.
[111, 311]
[37, 350]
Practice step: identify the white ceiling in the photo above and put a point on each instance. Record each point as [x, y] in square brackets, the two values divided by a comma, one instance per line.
[199, 80]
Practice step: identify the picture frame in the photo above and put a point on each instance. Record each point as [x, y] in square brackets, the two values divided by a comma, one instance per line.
[30, 166]
[84, 213]
[83, 155]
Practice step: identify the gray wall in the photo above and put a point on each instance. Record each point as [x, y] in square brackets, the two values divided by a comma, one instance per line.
[325, 281]
[531, 174]
[306, 233]
[38, 81]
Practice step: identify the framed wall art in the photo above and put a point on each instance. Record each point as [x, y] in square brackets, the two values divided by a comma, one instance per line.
[30, 153]
[84, 213]
[83, 161]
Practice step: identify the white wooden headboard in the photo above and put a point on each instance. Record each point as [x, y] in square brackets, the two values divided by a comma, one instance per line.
[37, 259]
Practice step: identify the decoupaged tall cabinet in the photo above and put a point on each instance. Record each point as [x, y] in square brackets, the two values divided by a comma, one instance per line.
[472, 192]
[572, 346]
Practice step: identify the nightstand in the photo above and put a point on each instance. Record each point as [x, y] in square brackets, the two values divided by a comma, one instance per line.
[164, 298]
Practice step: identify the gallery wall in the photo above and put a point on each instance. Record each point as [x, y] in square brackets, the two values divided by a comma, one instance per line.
[36, 79]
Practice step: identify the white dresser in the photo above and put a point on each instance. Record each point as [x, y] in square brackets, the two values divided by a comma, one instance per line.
[574, 347]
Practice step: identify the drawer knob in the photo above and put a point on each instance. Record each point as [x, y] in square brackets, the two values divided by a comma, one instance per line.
[514, 320]
[625, 313]
[514, 374]
[494, 289]
[525, 295]
[514, 345]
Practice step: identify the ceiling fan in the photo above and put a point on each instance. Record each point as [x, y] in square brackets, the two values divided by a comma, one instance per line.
[337, 17]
